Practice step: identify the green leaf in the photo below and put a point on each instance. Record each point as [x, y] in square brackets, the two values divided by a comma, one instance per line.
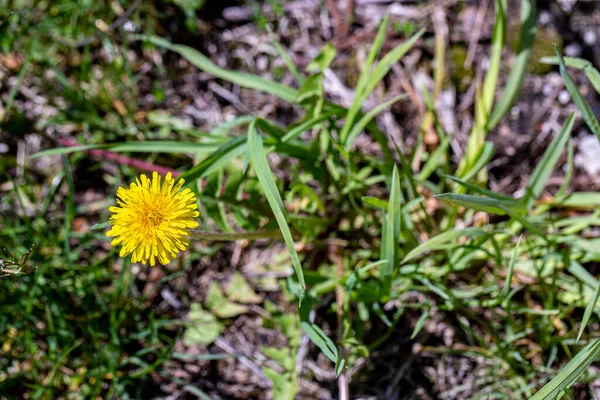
[322, 61]
[202, 327]
[153, 146]
[519, 67]
[498, 38]
[420, 323]
[483, 157]
[569, 374]
[479, 189]
[544, 168]
[370, 79]
[239, 290]
[580, 102]
[318, 337]
[592, 73]
[265, 177]
[364, 121]
[217, 160]
[483, 203]
[221, 306]
[511, 270]
[239, 78]
[441, 240]
[312, 87]
[588, 310]
[391, 233]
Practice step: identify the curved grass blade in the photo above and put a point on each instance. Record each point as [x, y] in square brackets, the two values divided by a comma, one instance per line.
[519, 67]
[239, 78]
[580, 102]
[544, 169]
[364, 121]
[569, 374]
[265, 177]
[442, 239]
[216, 160]
[580, 63]
[483, 203]
[498, 38]
[371, 80]
[588, 310]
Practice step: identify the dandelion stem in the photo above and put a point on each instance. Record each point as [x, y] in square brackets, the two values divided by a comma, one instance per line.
[227, 236]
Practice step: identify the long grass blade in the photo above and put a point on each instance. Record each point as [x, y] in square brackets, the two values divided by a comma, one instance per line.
[519, 67]
[239, 78]
[544, 169]
[265, 177]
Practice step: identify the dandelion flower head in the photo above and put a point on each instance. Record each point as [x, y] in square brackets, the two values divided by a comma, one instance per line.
[152, 220]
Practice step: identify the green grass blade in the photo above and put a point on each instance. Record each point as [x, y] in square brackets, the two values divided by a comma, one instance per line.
[592, 73]
[391, 233]
[588, 311]
[511, 270]
[153, 146]
[216, 160]
[569, 374]
[239, 78]
[479, 189]
[544, 169]
[498, 39]
[373, 79]
[265, 177]
[364, 121]
[442, 239]
[482, 203]
[519, 67]
[485, 155]
[580, 102]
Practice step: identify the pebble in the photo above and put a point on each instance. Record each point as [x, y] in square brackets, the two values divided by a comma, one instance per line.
[588, 157]
[573, 50]
[564, 97]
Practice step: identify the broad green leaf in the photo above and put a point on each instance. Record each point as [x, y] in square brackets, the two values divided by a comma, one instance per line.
[239, 290]
[265, 177]
[216, 160]
[312, 87]
[580, 102]
[482, 203]
[322, 61]
[569, 373]
[442, 239]
[202, 327]
[219, 305]
[544, 168]
[239, 78]
[285, 385]
[592, 73]
[519, 67]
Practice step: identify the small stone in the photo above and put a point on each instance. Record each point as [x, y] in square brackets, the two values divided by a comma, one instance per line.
[588, 157]
[564, 97]
[573, 50]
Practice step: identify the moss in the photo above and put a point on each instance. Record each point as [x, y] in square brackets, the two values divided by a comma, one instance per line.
[460, 76]
[543, 46]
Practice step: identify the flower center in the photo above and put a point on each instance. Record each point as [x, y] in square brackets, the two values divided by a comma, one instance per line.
[152, 219]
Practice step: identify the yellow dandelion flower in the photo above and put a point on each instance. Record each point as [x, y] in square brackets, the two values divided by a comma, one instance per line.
[152, 220]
